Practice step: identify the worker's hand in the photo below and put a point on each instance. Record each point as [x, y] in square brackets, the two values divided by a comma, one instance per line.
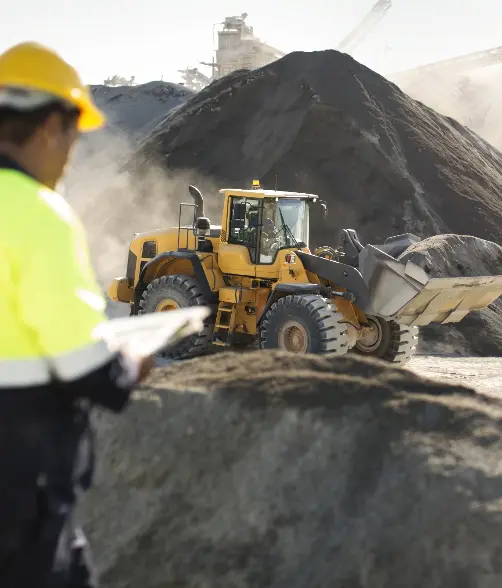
[145, 367]
[135, 369]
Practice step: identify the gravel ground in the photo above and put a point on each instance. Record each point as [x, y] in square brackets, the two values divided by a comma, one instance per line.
[481, 373]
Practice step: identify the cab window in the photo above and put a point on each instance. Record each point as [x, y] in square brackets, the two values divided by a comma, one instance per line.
[244, 223]
[149, 249]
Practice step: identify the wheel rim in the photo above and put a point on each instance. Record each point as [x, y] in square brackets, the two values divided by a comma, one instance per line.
[293, 337]
[371, 337]
[166, 305]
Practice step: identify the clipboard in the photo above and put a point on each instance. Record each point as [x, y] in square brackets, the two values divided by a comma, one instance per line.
[147, 334]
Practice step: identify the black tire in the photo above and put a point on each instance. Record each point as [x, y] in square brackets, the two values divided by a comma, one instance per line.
[394, 342]
[184, 291]
[321, 329]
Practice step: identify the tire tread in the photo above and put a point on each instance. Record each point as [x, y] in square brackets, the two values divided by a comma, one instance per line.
[333, 334]
[185, 286]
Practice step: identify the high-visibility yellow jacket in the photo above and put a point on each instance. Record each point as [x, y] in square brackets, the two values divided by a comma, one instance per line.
[50, 301]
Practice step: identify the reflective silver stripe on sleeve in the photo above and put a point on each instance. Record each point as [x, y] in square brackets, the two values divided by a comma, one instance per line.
[76, 364]
[67, 366]
[23, 372]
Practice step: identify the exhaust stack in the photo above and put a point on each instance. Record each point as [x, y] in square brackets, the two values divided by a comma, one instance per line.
[199, 201]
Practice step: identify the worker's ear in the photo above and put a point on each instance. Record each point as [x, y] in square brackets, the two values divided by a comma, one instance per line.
[55, 140]
[48, 133]
[59, 132]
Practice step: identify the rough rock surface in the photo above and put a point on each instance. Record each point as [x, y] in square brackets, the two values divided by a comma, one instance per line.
[273, 470]
[480, 332]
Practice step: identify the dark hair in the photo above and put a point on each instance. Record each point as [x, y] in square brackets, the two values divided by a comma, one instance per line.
[17, 127]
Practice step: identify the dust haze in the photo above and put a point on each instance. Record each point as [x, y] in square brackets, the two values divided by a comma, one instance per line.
[114, 203]
[472, 99]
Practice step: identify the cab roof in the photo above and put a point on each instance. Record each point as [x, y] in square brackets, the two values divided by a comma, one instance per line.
[268, 194]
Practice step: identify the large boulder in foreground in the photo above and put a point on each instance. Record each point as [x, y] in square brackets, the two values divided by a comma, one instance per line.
[265, 469]
[480, 332]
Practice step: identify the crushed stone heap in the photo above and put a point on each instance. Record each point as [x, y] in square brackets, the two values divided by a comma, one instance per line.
[321, 122]
[266, 469]
[480, 332]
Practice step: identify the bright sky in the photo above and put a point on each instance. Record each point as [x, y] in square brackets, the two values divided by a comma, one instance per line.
[154, 38]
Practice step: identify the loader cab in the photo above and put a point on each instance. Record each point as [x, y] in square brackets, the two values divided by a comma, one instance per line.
[265, 226]
[258, 224]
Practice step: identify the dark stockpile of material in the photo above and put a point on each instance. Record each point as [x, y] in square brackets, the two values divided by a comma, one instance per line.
[321, 122]
[304, 472]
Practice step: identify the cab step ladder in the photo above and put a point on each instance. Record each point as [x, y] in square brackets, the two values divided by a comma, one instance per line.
[225, 324]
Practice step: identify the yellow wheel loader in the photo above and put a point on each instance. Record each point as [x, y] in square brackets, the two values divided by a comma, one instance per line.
[264, 284]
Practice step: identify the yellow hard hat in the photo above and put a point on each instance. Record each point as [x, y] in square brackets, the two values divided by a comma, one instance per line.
[32, 67]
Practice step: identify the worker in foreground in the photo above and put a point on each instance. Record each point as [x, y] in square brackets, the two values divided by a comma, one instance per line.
[51, 369]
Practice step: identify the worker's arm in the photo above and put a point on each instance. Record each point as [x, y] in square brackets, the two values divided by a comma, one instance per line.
[61, 303]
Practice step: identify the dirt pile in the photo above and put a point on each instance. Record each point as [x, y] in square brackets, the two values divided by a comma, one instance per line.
[480, 333]
[304, 472]
[323, 123]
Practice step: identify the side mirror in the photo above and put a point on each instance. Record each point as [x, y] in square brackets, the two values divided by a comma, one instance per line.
[203, 225]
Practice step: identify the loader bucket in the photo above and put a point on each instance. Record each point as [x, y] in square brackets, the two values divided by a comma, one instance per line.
[402, 291]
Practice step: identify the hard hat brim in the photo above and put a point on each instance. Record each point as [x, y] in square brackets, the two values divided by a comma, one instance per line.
[91, 118]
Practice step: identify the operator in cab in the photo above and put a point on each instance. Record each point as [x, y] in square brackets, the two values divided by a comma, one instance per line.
[52, 371]
[270, 240]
